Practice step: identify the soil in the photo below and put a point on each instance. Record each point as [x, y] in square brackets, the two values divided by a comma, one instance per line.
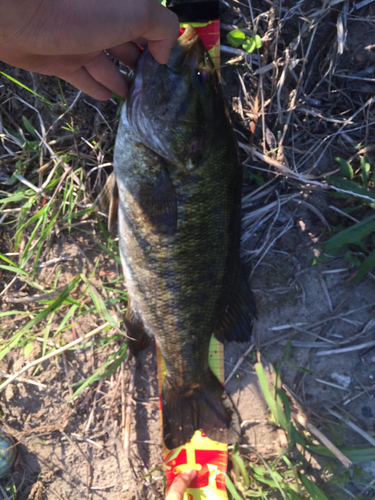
[74, 450]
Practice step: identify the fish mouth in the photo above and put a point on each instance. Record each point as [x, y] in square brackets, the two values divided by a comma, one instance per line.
[187, 48]
[188, 37]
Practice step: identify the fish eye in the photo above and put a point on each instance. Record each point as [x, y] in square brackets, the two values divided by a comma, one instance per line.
[203, 76]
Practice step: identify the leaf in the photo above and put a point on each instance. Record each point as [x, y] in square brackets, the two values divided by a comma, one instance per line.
[353, 189]
[238, 461]
[346, 169]
[352, 259]
[285, 401]
[355, 455]
[258, 41]
[365, 167]
[29, 127]
[295, 436]
[232, 489]
[314, 492]
[277, 412]
[11, 313]
[100, 304]
[252, 43]
[260, 471]
[249, 45]
[352, 234]
[27, 349]
[236, 38]
[367, 265]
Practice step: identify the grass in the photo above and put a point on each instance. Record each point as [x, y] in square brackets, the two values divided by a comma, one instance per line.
[56, 154]
[298, 468]
[356, 241]
[41, 201]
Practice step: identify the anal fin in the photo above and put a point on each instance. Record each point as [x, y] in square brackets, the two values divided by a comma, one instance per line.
[237, 317]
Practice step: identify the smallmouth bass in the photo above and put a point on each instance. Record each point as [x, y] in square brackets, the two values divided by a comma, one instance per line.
[179, 184]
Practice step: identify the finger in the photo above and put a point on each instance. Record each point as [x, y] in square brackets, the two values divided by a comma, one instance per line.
[161, 31]
[85, 82]
[127, 53]
[180, 485]
[105, 72]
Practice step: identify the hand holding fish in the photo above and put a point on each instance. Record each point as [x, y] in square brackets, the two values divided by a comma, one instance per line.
[180, 485]
[71, 39]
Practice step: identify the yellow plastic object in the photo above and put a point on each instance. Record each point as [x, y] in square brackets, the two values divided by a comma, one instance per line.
[209, 33]
[209, 458]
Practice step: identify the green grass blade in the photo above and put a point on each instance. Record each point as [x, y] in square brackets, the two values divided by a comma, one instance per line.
[99, 304]
[232, 489]
[346, 169]
[314, 492]
[353, 189]
[90, 380]
[367, 265]
[11, 313]
[12, 198]
[13, 269]
[68, 315]
[39, 317]
[120, 355]
[27, 88]
[277, 412]
[355, 455]
[352, 234]
[238, 461]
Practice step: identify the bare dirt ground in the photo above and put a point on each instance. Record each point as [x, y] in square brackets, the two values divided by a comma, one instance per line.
[75, 450]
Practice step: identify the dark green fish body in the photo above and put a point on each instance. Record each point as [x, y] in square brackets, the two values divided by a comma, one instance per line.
[179, 184]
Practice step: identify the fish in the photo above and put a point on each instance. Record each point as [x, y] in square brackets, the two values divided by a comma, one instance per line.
[179, 183]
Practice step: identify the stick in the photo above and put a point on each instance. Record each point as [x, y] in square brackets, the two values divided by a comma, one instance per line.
[346, 349]
[128, 413]
[301, 419]
[239, 363]
[24, 380]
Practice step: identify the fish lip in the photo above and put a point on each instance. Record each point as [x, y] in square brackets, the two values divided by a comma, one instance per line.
[188, 37]
[181, 49]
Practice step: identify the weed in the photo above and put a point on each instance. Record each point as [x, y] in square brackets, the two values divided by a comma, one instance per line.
[237, 38]
[291, 474]
[357, 241]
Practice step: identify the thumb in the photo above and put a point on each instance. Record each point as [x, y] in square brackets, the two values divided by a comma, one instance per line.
[161, 31]
[180, 485]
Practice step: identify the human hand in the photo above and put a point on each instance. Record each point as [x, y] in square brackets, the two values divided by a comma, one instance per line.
[180, 485]
[68, 39]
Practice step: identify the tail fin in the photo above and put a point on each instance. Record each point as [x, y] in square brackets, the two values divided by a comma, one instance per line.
[205, 407]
